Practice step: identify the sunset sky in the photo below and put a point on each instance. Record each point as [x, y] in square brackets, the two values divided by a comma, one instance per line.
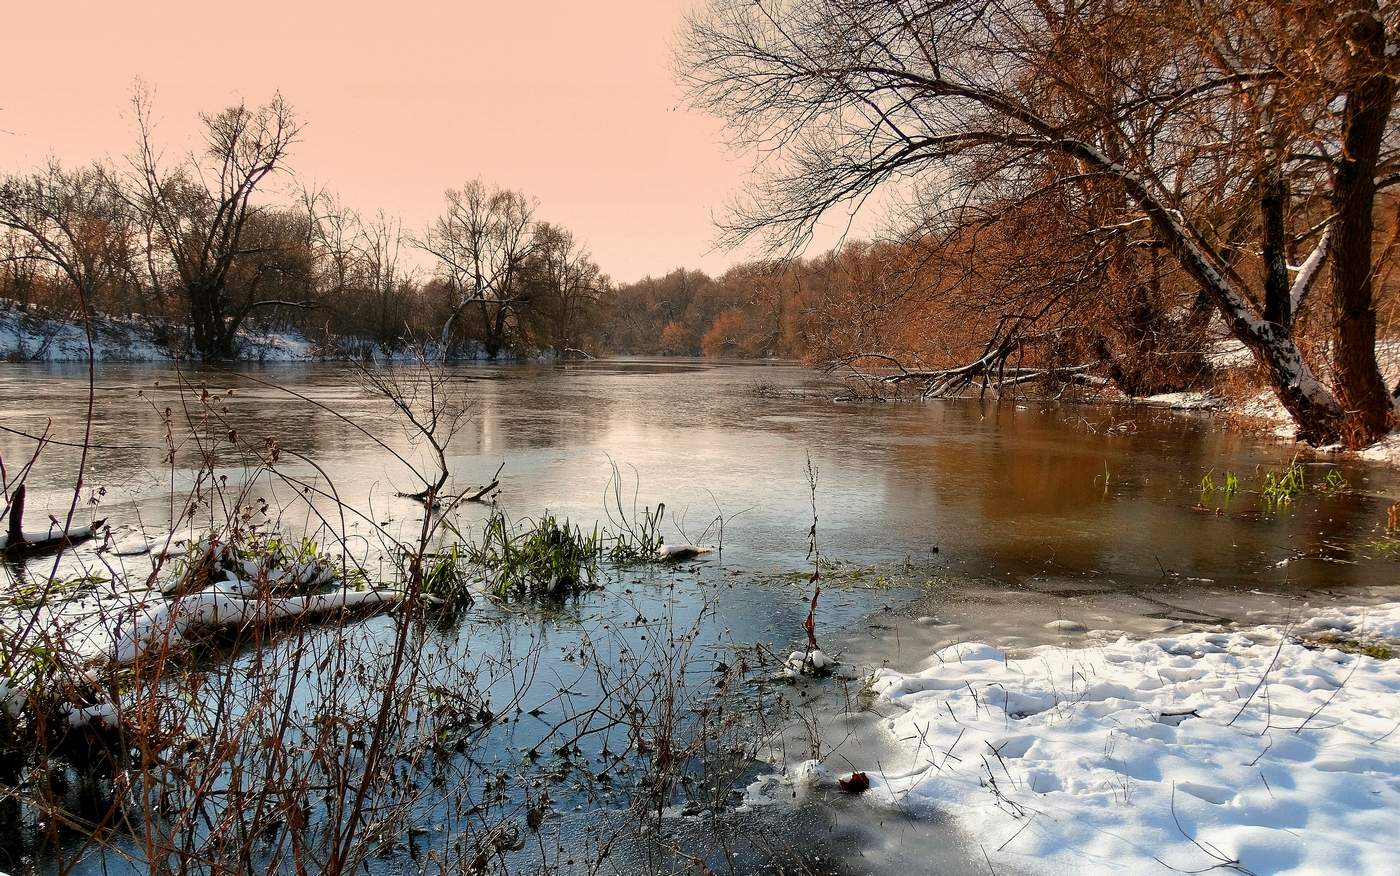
[572, 102]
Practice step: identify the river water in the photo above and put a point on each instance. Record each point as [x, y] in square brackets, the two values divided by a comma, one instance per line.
[936, 521]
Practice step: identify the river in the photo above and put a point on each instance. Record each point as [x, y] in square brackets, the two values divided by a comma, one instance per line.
[936, 521]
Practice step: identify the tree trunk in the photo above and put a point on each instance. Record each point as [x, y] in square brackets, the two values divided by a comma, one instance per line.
[207, 321]
[15, 530]
[1273, 202]
[1371, 92]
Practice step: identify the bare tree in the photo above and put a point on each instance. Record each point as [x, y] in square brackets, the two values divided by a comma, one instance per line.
[74, 223]
[962, 99]
[390, 286]
[481, 242]
[564, 284]
[201, 209]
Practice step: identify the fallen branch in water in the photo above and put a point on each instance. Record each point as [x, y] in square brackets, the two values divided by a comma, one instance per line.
[17, 543]
[990, 368]
[481, 495]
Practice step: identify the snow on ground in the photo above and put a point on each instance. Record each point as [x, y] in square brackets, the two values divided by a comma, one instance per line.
[35, 337]
[28, 337]
[1229, 352]
[1184, 401]
[1385, 451]
[1265, 407]
[1244, 751]
[31, 336]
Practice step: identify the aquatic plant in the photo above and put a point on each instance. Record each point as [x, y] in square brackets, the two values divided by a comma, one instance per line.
[633, 536]
[1281, 488]
[445, 577]
[1229, 485]
[811, 660]
[32, 593]
[640, 539]
[1232, 483]
[544, 557]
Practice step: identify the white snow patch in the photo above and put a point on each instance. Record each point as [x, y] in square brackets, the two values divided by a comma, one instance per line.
[676, 552]
[153, 627]
[1184, 401]
[1184, 752]
[1385, 451]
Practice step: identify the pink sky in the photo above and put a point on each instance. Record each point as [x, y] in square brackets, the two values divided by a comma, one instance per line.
[572, 102]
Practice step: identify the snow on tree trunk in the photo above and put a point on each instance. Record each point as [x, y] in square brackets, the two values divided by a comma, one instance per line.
[1313, 407]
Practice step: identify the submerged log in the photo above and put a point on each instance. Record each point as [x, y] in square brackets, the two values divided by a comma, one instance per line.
[17, 543]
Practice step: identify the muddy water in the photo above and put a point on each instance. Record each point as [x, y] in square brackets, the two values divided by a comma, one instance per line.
[936, 521]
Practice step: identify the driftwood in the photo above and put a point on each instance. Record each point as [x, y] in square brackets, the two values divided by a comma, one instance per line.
[17, 544]
[482, 494]
[990, 370]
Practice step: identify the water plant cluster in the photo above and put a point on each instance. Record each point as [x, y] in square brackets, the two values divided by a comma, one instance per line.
[545, 557]
[1277, 488]
[1281, 488]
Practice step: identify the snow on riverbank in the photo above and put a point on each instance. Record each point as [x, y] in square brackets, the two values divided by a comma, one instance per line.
[1244, 750]
[31, 336]
[34, 337]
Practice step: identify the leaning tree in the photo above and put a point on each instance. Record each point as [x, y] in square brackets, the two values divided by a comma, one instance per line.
[1238, 137]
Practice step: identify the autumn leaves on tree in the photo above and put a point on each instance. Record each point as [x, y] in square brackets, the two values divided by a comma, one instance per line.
[1235, 139]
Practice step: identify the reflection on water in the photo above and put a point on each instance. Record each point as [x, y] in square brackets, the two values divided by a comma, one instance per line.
[1006, 492]
[1023, 509]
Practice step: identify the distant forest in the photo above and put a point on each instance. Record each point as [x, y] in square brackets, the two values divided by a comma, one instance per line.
[224, 240]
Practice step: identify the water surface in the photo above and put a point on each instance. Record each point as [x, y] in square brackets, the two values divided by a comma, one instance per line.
[998, 516]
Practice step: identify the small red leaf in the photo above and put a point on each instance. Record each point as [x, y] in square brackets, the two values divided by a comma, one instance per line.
[855, 783]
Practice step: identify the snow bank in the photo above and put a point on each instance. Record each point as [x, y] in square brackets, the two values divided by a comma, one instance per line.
[153, 628]
[33, 335]
[1188, 752]
[1385, 451]
[1381, 622]
[1184, 401]
[48, 337]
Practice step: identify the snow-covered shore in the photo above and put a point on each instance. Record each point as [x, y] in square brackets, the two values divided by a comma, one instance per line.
[27, 336]
[1261, 750]
[35, 337]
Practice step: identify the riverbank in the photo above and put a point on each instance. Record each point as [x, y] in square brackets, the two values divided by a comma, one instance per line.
[1260, 749]
[29, 335]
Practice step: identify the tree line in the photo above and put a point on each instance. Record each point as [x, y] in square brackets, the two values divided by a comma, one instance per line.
[1155, 167]
[201, 246]
[224, 238]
